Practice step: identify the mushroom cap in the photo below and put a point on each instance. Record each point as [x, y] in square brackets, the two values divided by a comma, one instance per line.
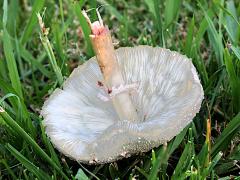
[85, 128]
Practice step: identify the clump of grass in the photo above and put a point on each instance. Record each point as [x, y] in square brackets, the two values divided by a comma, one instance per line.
[48, 48]
[207, 32]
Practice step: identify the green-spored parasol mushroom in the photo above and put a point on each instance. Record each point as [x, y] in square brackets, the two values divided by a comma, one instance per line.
[122, 102]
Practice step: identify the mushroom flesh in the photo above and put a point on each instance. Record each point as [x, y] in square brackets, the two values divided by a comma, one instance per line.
[145, 99]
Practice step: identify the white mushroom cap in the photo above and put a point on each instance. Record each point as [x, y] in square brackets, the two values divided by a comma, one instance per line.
[87, 129]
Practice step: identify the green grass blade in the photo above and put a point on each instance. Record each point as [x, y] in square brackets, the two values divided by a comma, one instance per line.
[214, 38]
[11, 63]
[26, 122]
[113, 171]
[113, 11]
[157, 163]
[3, 69]
[236, 51]
[151, 8]
[200, 65]
[10, 171]
[5, 13]
[48, 48]
[234, 81]
[13, 17]
[184, 161]
[6, 89]
[81, 175]
[25, 175]
[19, 110]
[142, 172]
[39, 173]
[189, 38]
[154, 8]
[225, 167]
[2, 122]
[37, 6]
[202, 29]
[59, 44]
[85, 29]
[214, 163]
[171, 11]
[232, 24]
[228, 133]
[203, 156]
[8, 52]
[93, 5]
[49, 146]
[28, 57]
[186, 158]
[178, 139]
[235, 155]
[30, 141]
[163, 155]
[61, 10]
[159, 23]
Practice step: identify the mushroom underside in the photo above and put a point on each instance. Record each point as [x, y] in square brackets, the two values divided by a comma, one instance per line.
[87, 129]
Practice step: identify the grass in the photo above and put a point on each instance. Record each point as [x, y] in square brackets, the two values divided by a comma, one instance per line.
[33, 64]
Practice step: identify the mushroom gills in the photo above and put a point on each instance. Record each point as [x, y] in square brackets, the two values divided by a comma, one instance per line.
[85, 128]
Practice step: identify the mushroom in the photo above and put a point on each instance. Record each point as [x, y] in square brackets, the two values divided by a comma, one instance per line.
[122, 101]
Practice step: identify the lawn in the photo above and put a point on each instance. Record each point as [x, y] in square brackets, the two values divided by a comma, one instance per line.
[34, 63]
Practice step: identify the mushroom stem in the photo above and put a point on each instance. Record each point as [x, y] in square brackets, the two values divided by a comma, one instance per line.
[107, 60]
